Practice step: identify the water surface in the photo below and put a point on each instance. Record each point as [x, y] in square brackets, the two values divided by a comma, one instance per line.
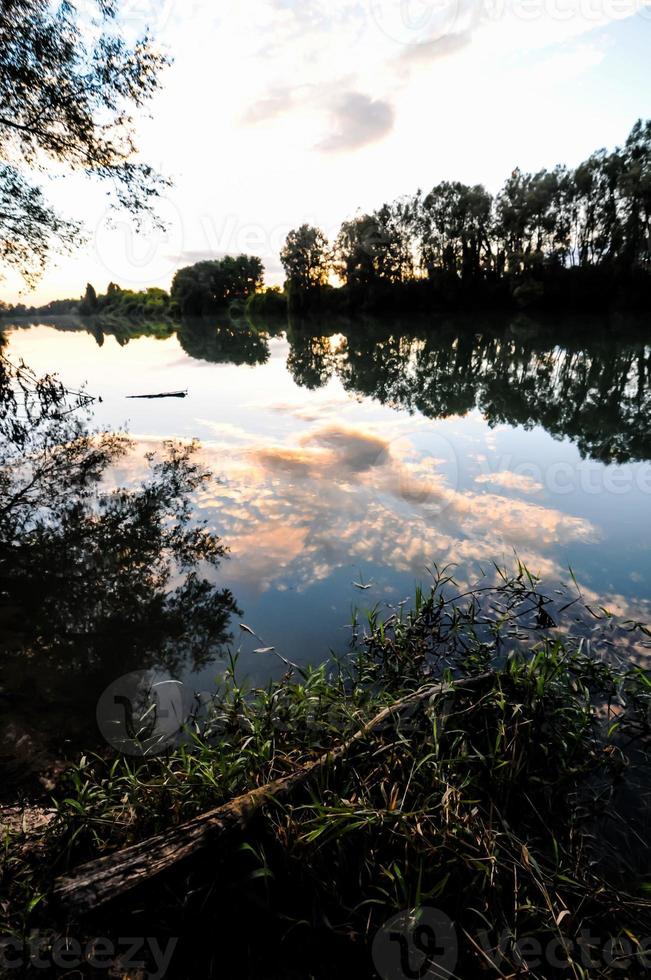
[363, 457]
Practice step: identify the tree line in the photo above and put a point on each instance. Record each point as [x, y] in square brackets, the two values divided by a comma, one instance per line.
[568, 237]
[197, 290]
[544, 235]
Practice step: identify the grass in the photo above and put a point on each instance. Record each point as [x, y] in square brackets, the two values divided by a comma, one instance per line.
[518, 810]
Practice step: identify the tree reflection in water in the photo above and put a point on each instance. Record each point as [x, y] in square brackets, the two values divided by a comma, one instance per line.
[587, 379]
[95, 581]
[592, 388]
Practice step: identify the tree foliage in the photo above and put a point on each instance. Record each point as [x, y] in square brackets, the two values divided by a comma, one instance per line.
[305, 258]
[69, 87]
[207, 287]
[146, 304]
[595, 218]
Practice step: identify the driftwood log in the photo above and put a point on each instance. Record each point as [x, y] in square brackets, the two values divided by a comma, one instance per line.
[102, 880]
[163, 394]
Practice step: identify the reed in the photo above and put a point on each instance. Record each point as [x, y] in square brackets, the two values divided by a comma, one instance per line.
[519, 811]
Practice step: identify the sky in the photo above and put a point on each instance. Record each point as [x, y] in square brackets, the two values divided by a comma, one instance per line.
[279, 112]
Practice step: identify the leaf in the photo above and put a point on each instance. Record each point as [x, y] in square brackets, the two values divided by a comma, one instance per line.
[34, 902]
[247, 629]
[561, 916]
[264, 650]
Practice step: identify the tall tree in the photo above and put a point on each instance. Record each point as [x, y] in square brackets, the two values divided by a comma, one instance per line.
[357, 250]
[305, 258]
[89, 303]
[395, 223]
[454, 226]
[635, 189]
[69, 85]
[598, 231]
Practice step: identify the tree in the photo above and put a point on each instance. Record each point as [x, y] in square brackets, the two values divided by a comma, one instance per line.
[96, 582]
[635, 190]
[206, 287]
[598, 233]
[454, 226]
[311, 360]
[305, 258]
[69, 84]
[89, 303]
[191, 290]
[237, 278]
[223, 342]
[394, 253]
[357, 248]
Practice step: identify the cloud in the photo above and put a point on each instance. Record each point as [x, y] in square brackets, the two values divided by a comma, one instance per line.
[291, 522]
[512, 481]
[303, 511]
[357, 121]
[352, 449]
[440, 47]
[342, 493]
[314, 412]
[289, 463]
[226, 432]
[276, 104]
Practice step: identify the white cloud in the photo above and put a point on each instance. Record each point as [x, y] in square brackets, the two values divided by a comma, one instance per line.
[357, 120]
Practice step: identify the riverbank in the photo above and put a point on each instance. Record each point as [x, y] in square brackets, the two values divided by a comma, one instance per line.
[502, 807]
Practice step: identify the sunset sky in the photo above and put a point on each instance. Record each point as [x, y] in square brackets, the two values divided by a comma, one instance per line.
[277, 112]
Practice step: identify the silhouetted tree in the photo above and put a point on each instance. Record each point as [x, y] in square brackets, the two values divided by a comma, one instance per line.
[596, 392]
[635, 190]
[68, 84]
[205, 287]
[89, 304]
[310, 360]
[454, 229]
[305, 258]
[358, 249]
[559, 235]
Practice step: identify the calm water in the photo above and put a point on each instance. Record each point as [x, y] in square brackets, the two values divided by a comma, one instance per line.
[367, 456]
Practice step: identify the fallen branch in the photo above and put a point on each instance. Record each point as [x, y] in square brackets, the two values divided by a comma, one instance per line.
[100, 881]
[164, 394]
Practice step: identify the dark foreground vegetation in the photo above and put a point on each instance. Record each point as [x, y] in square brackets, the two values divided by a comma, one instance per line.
[494, 816]
[511, 800]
